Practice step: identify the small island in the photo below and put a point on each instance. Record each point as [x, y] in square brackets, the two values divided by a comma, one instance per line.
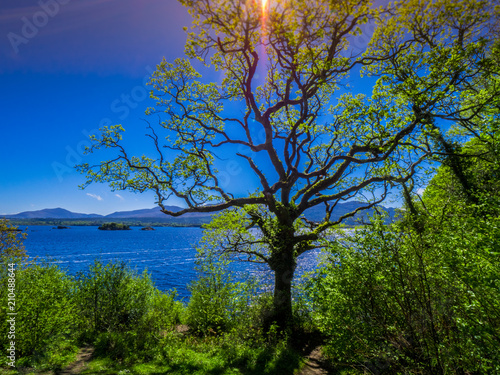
[148, 228]
[114, 226]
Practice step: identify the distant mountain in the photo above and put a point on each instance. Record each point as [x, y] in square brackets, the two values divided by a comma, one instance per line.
[315, 214]
[52, 213]
[148, 214]
[145, 213]
[155, 213]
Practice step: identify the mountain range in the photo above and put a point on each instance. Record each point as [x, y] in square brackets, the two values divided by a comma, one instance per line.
[155, 214]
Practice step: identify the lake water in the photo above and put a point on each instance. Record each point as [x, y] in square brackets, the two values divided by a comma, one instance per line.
[167, 253]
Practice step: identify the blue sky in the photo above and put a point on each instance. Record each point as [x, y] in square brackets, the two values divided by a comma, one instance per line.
[67, 67]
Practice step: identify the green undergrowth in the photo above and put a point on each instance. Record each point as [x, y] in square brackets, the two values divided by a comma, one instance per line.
[135, 328]
[224, 355]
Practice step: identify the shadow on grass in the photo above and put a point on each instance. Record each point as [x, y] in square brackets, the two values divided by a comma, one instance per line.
[173, 369]
[216, 358]
[267, 364]
[282, 361]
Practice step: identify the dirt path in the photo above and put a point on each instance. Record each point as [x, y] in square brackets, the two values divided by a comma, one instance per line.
[314, 365]
[82, 358]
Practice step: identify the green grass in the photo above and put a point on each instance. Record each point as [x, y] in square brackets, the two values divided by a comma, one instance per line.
[223, 355]
[231, 353]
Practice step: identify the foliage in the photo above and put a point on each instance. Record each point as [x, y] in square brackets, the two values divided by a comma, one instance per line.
[217, 300]
[224, 355]
[224, 334]
[45, 315]
[123, 313]
[421, 296]
[131, 325]
[11, 241]
[479, 166]
[108, 298]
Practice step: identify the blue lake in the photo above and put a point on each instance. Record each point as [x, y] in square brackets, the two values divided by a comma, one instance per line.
[167, 253]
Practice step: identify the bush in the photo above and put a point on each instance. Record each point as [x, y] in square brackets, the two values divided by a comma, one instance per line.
[110, 298]
[402, 300]
[122, 312]
[45, 315]
[217, 299]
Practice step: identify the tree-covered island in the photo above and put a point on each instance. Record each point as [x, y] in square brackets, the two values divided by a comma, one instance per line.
[114, 226]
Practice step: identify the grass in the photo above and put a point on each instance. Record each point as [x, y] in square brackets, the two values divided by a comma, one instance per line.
[231, 353]
[218, 355]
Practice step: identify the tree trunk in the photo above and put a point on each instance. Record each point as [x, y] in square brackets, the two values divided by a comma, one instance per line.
[282, 303]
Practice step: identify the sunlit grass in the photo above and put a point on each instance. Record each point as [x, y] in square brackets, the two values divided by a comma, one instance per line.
[223, 355]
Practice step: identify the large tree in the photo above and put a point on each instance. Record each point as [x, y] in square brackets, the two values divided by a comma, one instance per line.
[284, 106]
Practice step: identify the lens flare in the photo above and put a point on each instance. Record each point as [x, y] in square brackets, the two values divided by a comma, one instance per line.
[264, 20]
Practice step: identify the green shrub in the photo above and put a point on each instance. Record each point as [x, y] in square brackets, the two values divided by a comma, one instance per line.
[163, 312]
[401, 300]
[122, 312]
[45, 315]
[111, 298]
[303, 306]
[217, 300]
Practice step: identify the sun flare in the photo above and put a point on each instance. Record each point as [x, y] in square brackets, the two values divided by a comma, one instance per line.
[264, 8]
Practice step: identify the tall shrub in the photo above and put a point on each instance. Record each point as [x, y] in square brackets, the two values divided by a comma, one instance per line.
[121, 312]
[218, 300]
[45, 315]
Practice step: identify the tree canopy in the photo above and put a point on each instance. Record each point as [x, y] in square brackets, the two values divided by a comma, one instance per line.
[288, 103]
